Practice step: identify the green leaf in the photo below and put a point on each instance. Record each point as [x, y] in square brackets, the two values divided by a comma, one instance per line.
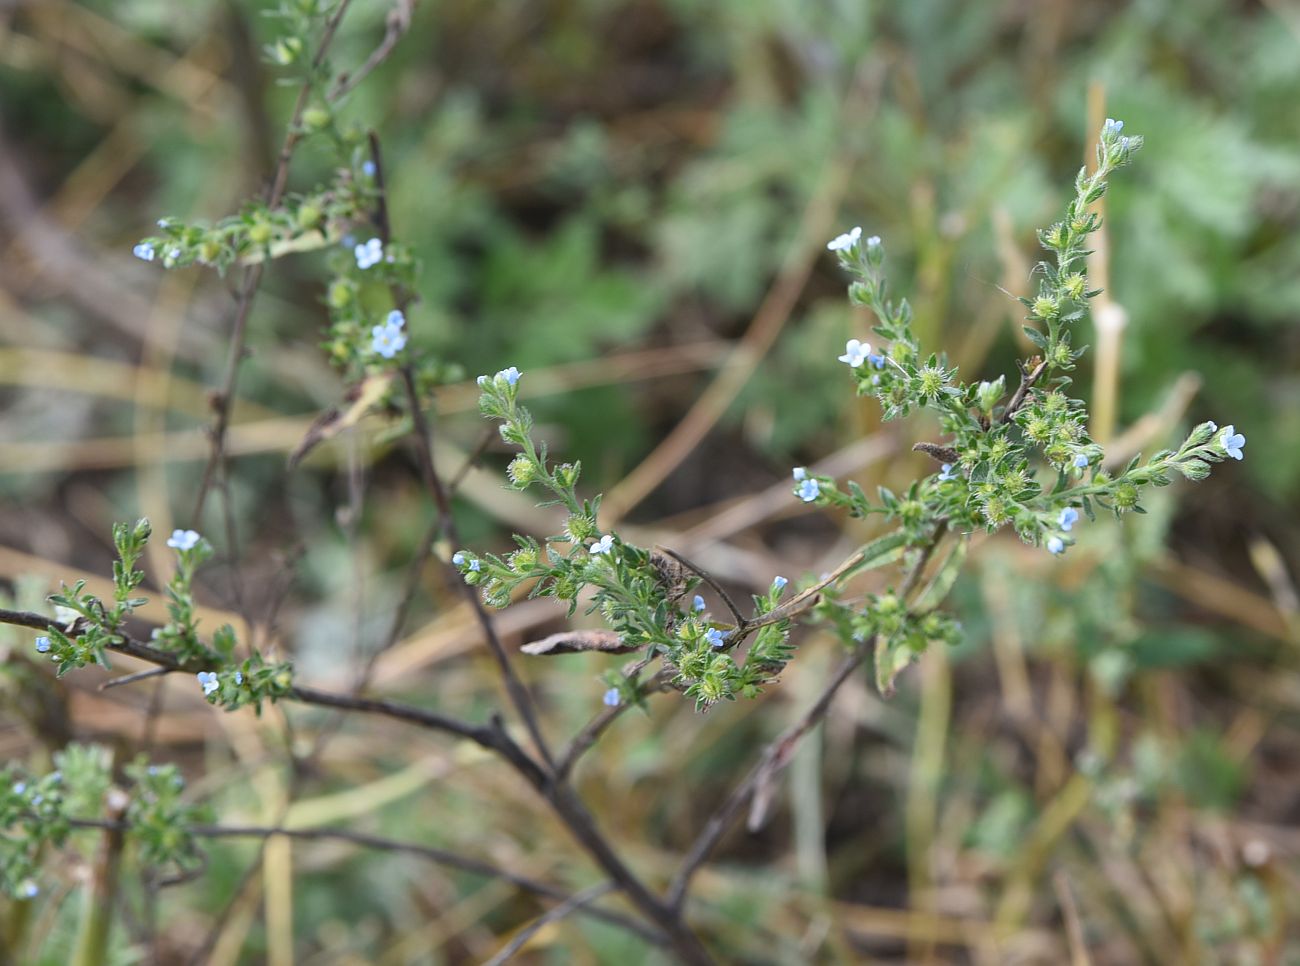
[942, 582]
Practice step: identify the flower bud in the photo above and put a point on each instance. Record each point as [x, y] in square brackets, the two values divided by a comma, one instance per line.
[522, 471]
[566, 587]
[1125, 496]
[1045, 307]
[995, 511]
[341, 294]
[580, 528]
[315, 118]
[566, 474]
[522, 560]
[308, 215]
[1038, 428]
[875, 251]
[287, 50]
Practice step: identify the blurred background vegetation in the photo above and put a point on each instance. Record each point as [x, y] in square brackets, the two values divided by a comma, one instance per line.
[630, 201]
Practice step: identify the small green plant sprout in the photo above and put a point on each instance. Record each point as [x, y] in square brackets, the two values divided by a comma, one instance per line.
[95, 629]
[39, 813]
[1023, 461]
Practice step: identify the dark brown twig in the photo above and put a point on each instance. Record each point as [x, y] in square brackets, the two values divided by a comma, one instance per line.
[518, 694]
[704, 575]
[778, 752]
[1027, 381]
[573, 904]
[152, 672]
[600, 723]
[397, 24]
[443, 857]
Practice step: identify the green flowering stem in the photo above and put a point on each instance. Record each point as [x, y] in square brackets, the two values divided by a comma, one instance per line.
[878, 551]
[222, 399]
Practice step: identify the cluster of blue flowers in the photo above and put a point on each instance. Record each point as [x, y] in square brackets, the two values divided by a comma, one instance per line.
[389, 338]
[510, 376]
[369, 254]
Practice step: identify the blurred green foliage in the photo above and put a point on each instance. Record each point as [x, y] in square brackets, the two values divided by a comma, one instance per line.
[584, 177]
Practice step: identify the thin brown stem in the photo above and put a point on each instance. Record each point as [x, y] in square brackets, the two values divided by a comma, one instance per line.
[574, 903]
[444, 857]
[708, 579]
[778, 752]
[222, 399]
[518, 694]
[598, 725]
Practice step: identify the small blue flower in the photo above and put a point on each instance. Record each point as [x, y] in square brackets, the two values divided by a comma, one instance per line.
[208, 681]
[1232, 441]
[143, 251]
[808, 490]
[183, 539]
[510, 375]
[42, 644]
[1112, 127]
[458, 557]
[396, 319]
[29, 889]
[387, 340]
[369, 254]
[842, 243]
[1069, 517]
[855, 353]
[475, 564]
[604, 545]
[697, 604]
[482, 380]
[368, 169]
[946, 473]
[1081, 461]
[715, 637]
[876, 361]
[20, 787]
[239, 677]
[799, 473]
[779, 583]
[612, 698]
[1056, 545]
